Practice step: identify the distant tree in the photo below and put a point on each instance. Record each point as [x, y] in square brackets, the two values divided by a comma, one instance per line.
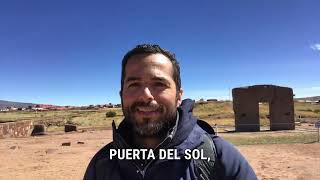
[111, 114]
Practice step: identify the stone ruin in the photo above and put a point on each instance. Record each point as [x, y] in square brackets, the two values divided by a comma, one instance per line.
[246, 107]
[38, 130]
[26, 128]
[70, 128]
[16, 129]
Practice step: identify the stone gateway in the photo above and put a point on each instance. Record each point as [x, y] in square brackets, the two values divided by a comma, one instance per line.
[246, 107]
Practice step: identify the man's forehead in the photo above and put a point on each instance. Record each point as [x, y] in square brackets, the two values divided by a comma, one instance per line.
[148, 73]
[153, 66]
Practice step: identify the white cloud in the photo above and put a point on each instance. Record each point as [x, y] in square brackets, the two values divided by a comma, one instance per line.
[315, 47]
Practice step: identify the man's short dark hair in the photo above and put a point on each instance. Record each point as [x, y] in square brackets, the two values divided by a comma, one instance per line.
[152, 49]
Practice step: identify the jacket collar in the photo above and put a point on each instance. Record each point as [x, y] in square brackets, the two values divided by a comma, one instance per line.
[184, 135]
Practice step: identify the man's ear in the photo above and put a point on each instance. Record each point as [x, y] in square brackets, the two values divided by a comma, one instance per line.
[179, 97]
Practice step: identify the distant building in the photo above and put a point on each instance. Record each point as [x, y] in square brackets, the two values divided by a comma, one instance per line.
[38, 109]
[4, 110]
[212, 100]
[201, 101]
[12, 108]
[110, 106]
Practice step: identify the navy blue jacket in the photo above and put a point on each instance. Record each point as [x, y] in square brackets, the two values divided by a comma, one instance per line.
[188, 135]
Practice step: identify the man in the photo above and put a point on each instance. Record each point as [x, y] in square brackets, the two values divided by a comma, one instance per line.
[157, 118]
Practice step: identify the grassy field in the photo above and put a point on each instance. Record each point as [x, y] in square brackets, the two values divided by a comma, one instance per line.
[220, 113]
[55, 120]
[270, 138]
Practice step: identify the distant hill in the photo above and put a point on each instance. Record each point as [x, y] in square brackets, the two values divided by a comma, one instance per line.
[313, 98]
[4, 104]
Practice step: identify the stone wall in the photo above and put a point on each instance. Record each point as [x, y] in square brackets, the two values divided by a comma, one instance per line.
[16, 129]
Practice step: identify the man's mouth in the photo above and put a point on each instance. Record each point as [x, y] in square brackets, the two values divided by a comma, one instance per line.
[147, 111]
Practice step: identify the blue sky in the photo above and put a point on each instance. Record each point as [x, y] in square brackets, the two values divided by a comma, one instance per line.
[69, 52]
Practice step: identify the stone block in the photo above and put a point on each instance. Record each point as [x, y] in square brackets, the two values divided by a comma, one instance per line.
[15, 129]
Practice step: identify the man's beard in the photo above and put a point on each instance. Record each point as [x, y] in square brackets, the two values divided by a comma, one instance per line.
[150, 127]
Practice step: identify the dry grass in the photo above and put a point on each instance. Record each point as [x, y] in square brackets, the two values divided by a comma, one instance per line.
[270, 138]
[220, 113]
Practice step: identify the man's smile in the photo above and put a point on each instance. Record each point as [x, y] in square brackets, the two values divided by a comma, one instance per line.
[147, 111]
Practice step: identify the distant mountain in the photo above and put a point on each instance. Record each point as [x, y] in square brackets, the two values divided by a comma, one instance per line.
[313, 98]
[4, 104]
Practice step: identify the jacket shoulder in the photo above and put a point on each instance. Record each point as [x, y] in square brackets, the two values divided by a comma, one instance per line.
[101, 157]
[230, 163]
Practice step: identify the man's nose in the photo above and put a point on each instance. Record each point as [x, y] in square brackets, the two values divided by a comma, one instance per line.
[146, 95]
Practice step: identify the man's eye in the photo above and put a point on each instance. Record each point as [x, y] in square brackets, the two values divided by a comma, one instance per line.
[160, 84]
[133, 85]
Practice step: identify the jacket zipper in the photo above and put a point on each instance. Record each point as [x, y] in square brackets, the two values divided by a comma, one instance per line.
[143, 171]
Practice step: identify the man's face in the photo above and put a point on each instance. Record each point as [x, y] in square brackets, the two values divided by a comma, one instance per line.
[149, 95]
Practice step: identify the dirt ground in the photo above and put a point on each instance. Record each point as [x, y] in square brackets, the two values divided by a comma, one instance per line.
[45, 158]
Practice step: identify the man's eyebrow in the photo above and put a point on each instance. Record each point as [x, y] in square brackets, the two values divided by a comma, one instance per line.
[138, 78]
[160, 79]
[132, 79]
